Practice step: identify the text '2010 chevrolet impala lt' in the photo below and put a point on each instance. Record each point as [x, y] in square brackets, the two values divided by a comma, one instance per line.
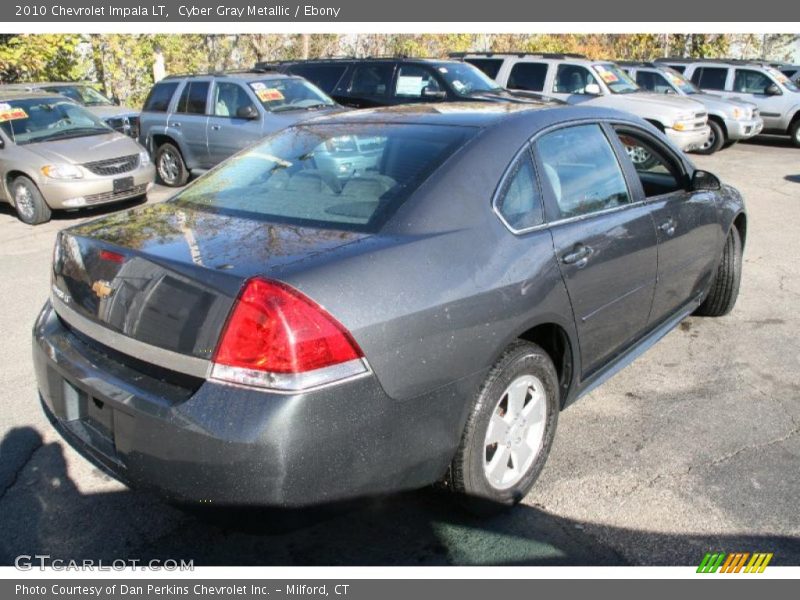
[379, 300]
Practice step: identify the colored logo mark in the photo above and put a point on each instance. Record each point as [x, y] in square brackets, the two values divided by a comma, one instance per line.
[735, 562]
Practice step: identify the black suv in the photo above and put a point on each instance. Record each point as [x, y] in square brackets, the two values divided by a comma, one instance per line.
[370, 82]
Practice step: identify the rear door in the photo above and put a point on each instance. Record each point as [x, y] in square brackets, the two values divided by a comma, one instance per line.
[605, 242]
[687, 225]
[189, 121]
[228, 131]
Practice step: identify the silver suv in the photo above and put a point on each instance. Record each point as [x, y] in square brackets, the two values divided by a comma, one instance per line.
[192, 122]
[730, 120]
[120, 118]
[576, 79]
[776, 96]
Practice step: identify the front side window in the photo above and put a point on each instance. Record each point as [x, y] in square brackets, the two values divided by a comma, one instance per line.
[160, 96]
[44, 119]
[466, 79]
[519, 201]
[710, 78]
[331, 176]
[582, 170]
[230, 100]
[751, 82]
[193, 98]
[657, 174]
[281, 95]
[572, 79]
[527, 76]
[415, 82]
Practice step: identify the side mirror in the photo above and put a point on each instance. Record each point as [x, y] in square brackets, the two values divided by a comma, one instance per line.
[704, 181]
[248, 112]
[592, 89]
[773, 90]
[433, 94]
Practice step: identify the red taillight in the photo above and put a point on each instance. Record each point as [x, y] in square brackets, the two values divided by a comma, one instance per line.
[112, 256]
[276, 329]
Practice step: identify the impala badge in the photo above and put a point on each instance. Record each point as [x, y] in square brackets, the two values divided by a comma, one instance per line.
[102, 289]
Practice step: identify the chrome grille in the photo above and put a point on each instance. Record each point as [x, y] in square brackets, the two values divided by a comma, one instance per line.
[114, 166]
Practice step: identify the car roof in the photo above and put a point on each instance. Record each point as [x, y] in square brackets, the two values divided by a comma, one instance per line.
[20, 93]
[250, 74]
[470, 114]
[572, 57]
[367, 59]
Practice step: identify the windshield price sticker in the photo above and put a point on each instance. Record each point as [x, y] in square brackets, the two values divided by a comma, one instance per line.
[269, 95]
[8, 113]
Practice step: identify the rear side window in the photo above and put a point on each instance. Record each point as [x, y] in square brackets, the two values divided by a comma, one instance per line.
[582, 170]
[193, 98]
[528, 76]
[159, 97]
[519, 201]
[710, 78]
[490, 66]
[751, 82]
[372, 79]
[325, 77]
[330, 176]
[679, 68]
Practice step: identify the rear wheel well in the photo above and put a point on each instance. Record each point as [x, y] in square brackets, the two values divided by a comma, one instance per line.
[159, 139]
[554, 340]
[740, 222]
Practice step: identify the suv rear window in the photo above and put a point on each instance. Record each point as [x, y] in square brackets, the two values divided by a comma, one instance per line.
[351, 177]
[159, 97]
[325, 77]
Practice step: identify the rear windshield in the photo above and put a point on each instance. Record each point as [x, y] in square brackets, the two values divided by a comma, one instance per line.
[44, 119]
[334, 176]
[279, 95]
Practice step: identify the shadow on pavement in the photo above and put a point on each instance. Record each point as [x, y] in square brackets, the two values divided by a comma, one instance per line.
[42, 511]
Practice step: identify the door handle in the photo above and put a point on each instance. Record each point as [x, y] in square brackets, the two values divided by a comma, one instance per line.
[175, 124]
[216, 127]
[579, 256]
[668, 227]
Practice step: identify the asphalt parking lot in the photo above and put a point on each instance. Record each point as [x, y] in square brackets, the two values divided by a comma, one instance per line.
[694, 447]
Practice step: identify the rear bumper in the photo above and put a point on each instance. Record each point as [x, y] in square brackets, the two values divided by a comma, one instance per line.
[743, 130]
[95, 190]
[688, 140]
[229, 445]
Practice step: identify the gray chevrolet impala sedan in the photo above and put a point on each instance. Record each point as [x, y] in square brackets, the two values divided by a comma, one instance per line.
[379, 300]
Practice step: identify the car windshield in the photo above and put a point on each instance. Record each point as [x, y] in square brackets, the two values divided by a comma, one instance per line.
[331, 176]
[782, 79]
[82, 94]
[680, 82]
[466, 79]
[43, 119]
[278, 95]
[615, 78]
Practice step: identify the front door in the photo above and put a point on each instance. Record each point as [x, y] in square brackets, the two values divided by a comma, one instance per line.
[687, 226]
[604, 242]
[228, 130]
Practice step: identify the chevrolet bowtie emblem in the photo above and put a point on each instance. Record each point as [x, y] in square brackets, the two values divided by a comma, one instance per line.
[102, 289]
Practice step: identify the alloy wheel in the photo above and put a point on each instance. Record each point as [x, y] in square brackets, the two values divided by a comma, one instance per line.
[23, 199]
[168, 168]
[515, 433]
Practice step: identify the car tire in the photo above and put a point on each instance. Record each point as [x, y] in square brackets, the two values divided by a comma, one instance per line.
[522, 422]
[28, 201]
[716, 139]
[724, 289]
[794, 133]
[170, 166]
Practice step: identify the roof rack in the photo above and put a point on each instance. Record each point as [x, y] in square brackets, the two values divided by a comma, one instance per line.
[254, 70]
[726, 61]
[636, 63]
[519, 54]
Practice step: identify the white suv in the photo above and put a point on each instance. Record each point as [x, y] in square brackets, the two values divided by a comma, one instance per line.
[575, 79]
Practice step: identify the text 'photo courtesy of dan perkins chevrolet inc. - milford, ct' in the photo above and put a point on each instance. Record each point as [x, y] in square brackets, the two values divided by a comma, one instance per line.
[188, 11]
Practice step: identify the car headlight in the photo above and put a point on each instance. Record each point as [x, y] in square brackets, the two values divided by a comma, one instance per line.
[144, 158]
[744, 114]
[62, 171]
